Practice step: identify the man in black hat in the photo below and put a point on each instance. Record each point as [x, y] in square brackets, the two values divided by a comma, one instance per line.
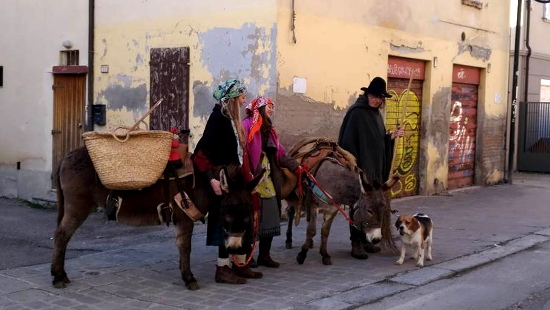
[364, 135]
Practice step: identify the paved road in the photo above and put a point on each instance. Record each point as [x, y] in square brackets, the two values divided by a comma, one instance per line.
[473, 227]
[26, 232]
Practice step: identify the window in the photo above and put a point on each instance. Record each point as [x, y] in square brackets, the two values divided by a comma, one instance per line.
[544, 90]
[68, 58]
[546, 15]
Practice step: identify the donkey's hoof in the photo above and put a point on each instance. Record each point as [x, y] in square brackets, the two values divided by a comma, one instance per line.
[301, 258]
[327, 260]
[61, 283]
[192, 286]
[288, 244]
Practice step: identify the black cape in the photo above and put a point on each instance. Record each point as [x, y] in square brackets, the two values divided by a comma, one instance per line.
[364, 135]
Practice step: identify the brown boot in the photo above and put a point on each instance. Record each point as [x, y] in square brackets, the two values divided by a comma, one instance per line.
[246, 272]
[357, 251]
[226, 275]
[370, 248]
[265, 260]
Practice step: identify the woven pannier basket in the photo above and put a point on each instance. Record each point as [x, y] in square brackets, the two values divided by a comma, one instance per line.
[131, 160]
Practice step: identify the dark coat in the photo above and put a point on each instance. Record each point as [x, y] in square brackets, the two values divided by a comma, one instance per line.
[219, 145]
[218, 142]
[364, 135]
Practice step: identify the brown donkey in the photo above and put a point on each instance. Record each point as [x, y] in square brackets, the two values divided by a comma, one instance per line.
[80, 192]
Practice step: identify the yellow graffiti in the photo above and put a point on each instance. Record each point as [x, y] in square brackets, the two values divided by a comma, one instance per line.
[406, 155]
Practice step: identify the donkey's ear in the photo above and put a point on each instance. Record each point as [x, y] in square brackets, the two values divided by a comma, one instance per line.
[365, 185]
[251, 185]
[223, 180]
[390, 183]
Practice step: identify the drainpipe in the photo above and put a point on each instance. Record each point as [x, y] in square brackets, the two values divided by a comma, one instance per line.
[528, 56]
[513, 109]
[91, 26]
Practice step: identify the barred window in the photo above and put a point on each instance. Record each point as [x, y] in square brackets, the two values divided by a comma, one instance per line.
[69, 58]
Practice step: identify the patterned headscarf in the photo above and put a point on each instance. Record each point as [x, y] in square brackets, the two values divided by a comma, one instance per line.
[253, 108]
[231, 88]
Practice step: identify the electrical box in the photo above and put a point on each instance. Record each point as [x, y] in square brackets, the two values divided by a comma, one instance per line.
[99, 114]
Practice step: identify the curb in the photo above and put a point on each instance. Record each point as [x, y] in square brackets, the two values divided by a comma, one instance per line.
[372, 292]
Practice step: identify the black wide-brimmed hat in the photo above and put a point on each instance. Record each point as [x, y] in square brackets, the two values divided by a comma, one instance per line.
[377, 87]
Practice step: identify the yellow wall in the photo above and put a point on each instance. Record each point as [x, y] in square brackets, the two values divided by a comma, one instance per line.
[226, 40]
[340, 47]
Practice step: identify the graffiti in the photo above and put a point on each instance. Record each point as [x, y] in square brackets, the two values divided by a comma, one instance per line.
[403, 71]
[460, 143]
[461, 74]
[406, 152]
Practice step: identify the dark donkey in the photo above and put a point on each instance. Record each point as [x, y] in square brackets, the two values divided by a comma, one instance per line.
[79, 193]
[347, 186]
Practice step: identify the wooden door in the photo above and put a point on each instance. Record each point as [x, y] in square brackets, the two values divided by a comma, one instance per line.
[69, 93]
[170, 81]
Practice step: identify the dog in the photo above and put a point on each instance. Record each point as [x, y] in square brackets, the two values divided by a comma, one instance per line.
[415, 231]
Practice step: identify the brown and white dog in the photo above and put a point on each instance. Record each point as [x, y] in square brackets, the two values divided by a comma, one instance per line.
[416, 231]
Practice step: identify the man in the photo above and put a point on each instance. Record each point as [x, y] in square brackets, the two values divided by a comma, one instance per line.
[364, 135]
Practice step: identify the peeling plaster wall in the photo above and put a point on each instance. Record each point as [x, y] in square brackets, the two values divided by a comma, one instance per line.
[33, 32]
[340, 48]
[226, 40]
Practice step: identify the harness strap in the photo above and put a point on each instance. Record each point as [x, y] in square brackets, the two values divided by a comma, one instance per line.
[312, 179]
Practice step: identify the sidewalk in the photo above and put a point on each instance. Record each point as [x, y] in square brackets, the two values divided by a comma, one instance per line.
[473, 226]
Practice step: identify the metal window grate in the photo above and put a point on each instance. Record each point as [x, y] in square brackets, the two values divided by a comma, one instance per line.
[537, 127]
[69, 58]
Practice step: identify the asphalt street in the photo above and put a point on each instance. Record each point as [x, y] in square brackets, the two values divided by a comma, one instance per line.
[119, 267]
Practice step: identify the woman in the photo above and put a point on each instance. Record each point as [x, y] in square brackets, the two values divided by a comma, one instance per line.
[222, 144]
[266, 152]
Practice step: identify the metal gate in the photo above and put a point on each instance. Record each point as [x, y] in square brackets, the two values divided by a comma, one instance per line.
[404, 109]
[463, 126]
[534, 137]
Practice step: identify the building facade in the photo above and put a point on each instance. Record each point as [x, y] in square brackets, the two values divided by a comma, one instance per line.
[531, 150]
[43, 69]
[311, 58]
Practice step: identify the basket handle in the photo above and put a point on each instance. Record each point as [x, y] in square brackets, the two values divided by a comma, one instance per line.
[146, 114]
[136, 125]
[127, 135]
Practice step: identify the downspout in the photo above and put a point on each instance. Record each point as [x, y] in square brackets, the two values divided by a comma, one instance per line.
[513, 106]
[91, 32]
[528, 56]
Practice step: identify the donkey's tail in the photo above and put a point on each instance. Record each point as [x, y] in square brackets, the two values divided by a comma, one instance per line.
[60, 196]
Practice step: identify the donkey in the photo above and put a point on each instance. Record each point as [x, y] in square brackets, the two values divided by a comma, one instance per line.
[370, 202]
[80, 192]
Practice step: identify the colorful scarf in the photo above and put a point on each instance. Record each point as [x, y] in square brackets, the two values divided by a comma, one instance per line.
[231, 88]
[253, 108]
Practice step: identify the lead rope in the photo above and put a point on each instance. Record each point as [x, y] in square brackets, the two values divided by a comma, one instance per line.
[312, 179]
[256, 226]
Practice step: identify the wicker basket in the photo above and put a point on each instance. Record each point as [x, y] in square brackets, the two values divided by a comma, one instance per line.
[129, 160]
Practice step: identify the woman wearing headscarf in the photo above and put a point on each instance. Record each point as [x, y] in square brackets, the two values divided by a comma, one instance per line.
[266, 152]
[222, 143]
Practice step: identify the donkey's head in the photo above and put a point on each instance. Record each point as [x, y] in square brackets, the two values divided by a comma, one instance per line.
[373, 212]
[236, 206]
